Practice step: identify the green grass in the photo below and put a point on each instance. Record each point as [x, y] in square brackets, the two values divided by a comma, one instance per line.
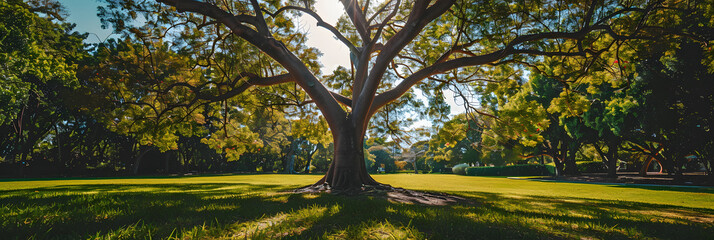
[258, 207]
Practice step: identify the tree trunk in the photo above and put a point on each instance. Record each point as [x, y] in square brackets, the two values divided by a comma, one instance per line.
[347, 172]
[709, 167]
[609, 158]
[23, 159]
[137, 160]
[677, 164]
[290, 165]
[542, 159]
[612, 159]
[559, 168]
[309, 159]
[558, 153]
[290, 156]
[59, 143]
[167, 158]
[571, 168]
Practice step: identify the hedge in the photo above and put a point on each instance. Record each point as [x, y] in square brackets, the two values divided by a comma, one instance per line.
[460, 169]
[591, 167]
[513, 170]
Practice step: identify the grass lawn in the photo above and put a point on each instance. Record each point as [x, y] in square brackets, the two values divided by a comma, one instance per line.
[257, 207]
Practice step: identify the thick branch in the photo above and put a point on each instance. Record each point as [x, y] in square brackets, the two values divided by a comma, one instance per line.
[253, 80]
[509, 49]
[407, 83]
[353, 11]
[327, 104]
[342, 99]
[419, 17]
[261, 26]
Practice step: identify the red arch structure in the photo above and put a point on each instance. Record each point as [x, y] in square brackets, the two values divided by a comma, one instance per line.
[646, 166]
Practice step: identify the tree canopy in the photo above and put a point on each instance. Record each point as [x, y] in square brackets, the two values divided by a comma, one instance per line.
[539, 78]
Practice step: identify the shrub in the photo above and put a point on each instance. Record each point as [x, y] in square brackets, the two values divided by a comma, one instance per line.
[514, 170]
[591, 167]
[460, 169]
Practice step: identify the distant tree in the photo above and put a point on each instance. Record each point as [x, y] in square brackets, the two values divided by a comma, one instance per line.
[457, 141]
[380, 156]
[38, 57]
[677, 105]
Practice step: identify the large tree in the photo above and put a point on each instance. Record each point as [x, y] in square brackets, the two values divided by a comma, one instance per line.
[38, 57]
[395, 45]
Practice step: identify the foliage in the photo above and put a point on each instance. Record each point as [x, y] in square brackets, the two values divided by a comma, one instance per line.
[598, 102]
[39, 54]
[456, 141]
[517, 116]
[381, 157]
[512, 170]
[34, 51]
[676, 105]
[459, 169]
[591, 167]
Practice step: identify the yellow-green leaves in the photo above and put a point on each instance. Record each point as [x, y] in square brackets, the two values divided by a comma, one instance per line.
[30, 56]
[240, 140]
[520, 119]
[616, 111]
[315, 132]
[569, 104]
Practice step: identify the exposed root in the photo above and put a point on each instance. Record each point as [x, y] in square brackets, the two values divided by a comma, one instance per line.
[392, 194]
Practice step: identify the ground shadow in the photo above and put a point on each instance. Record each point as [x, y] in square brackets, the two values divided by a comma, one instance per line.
[647, 186]
[242, 211]
[694, 189]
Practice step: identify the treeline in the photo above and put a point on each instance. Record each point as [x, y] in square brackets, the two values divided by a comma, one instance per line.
[649, 107]
[68, 108]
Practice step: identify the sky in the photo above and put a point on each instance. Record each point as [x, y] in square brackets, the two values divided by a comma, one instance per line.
[334, 53]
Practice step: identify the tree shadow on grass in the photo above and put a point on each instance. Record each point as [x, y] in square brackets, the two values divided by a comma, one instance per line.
[265, 211]
[654, 187]
[78, 211]
[692, 189]
[31, 179]
[499, 217]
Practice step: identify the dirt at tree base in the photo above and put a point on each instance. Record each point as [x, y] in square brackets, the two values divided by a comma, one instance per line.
[392, 194]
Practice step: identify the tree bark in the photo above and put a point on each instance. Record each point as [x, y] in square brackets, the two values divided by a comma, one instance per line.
[709, 167]
[167, 158]
[612, 159]
[59, 143]
[571, 168]
[137, 160]
[309, 159]
[347, 172]
[291, 156]
[290, 165]
[559, 168]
